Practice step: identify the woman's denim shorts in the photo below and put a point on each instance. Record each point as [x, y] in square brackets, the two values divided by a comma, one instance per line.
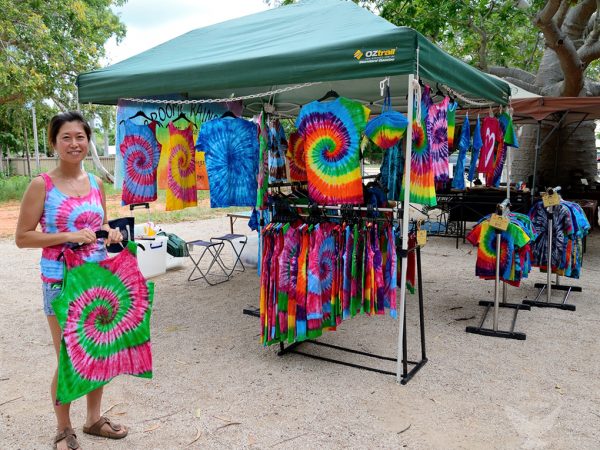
[50, 292]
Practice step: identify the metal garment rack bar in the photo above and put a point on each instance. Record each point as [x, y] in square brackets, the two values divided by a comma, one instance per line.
[406, 375]
[548, 286]
[502, 209]
[341, 207]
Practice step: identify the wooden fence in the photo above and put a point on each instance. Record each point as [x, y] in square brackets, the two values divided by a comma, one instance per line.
[18, 166]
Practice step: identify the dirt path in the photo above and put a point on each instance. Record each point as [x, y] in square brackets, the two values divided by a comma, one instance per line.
[216, 387]
[9, 212]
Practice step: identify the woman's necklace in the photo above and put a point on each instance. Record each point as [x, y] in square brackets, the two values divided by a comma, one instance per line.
[73, 187]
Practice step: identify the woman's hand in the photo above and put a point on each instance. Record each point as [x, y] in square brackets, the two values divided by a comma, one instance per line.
[114, 236]
[85, 236]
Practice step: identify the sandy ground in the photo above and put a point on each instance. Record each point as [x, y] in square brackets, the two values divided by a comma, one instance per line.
[216, 387]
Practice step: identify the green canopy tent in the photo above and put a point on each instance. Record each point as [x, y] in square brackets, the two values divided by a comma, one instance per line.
[291, 55]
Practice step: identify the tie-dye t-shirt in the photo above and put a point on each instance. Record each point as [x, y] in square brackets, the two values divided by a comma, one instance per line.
[63, 213]
[491, 135]
[484, 237]
[231, 151]
[331, 133]
[181, 171]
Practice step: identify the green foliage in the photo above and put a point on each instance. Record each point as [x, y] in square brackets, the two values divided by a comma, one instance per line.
[44, 45]
[47, 43]
[13, 188]
[481, 32]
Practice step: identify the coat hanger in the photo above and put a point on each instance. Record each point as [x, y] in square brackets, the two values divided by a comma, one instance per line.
[141, 113]
[438, 91]
[329, 94]
[184, 117]
[228, 114]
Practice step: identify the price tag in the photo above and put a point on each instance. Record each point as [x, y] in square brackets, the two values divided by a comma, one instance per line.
[421, 238]
[499, 222]
[550, 200]
[584, 181]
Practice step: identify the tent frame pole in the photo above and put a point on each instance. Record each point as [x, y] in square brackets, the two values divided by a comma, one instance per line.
[405, 219]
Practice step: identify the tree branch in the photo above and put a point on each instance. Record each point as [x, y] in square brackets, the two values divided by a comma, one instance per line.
[514, 72]
[562, 13]
[563, 46]
[524, 85]
[577, 20]
[554, 90]
[62, 107]
[10, 98]
[548, 12]
[591, 49]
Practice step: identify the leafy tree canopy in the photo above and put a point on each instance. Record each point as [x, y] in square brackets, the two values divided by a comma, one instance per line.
[44, 44]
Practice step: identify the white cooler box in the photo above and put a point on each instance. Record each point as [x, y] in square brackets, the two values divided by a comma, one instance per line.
[153, 258]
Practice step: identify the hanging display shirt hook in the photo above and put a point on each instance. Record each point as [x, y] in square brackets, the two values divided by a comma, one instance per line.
[382, 84]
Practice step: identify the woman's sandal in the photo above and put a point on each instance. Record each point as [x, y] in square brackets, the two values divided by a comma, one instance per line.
[70, 438]
[115, 432]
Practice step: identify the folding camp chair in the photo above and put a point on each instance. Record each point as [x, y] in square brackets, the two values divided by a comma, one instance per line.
[231, 238]
[213, 252]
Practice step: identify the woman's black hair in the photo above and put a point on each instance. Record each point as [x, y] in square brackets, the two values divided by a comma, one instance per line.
[60, 119]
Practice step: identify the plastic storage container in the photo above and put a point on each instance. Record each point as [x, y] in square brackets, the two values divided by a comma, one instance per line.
[152, 259]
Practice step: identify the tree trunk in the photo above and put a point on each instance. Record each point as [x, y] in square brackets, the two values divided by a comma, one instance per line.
[570, 156]
[27, 153]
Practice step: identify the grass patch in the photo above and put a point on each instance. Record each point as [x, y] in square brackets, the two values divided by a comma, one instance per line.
[157, 213]
[13, 188]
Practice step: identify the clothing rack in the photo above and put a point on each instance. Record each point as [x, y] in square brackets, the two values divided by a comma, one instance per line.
[548, 286]
[402, 374]
[406, 375]
[502, 209]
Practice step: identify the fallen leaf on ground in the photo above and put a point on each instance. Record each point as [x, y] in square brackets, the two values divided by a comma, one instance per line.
[152, 428]
[109, 409]
[198, 434]
[224, 419]
[228, 425]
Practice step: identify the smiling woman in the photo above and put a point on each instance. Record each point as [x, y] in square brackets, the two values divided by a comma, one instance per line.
[70, 206]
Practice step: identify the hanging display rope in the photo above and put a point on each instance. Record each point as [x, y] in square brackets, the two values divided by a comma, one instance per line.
[223, 100]
[465, 99]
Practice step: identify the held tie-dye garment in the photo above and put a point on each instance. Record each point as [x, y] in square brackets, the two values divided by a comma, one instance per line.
[491, 135]
[104, 313]
[332, 133]
[458, 182]
[437, 136]
[477, 144]
[140, 153]
[62, 214]
[296, 157]
[181, 170]
[231, 150]
[277, 149]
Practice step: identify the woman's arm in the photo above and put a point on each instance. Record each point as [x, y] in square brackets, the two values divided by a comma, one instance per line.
[32, 207]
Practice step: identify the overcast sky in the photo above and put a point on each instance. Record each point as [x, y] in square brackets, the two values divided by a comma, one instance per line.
[152, 22]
